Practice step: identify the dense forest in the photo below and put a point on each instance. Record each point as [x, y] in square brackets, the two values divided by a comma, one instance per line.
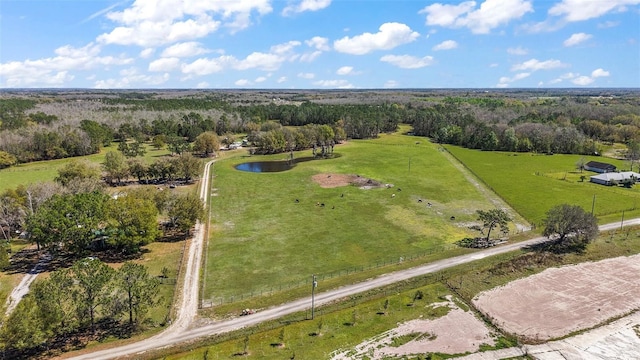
[49, 125]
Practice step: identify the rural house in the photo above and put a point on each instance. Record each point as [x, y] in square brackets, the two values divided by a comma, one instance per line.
[599, 167]
[614, 178]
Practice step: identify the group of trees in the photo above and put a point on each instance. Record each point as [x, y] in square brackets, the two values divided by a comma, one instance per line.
[273, 138]
[77, 223]
[89, 297]
[74, 215]
[568, 227]
[118, 168]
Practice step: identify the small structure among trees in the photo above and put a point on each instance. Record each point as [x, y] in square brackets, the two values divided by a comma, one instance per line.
[599, 167]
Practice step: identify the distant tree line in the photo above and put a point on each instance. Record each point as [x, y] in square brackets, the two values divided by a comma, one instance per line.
[545, 125]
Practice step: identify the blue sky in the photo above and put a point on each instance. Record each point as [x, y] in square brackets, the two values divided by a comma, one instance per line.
[319, 44]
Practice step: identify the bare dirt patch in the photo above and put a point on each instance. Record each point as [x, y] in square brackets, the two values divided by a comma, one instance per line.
[457, 332]
[338, 180]
[563, 300]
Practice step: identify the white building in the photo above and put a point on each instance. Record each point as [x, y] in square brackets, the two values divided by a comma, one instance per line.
[612, 178]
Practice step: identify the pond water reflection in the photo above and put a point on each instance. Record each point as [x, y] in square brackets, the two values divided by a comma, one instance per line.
[273, 166]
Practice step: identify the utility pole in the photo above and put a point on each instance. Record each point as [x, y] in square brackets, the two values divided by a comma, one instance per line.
[314, 284]
[622, 221]
[593, 203]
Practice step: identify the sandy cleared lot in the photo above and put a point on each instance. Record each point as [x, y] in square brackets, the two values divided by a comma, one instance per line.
[455, 333]
[338, 180]
[560, 301]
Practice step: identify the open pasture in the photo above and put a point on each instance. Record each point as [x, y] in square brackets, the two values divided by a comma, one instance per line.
[271, 230]
[534, 183]
[39, 171]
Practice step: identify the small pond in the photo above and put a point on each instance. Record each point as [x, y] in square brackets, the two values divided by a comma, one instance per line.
[275, 166]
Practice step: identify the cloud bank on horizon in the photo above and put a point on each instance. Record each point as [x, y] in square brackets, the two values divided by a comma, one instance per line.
[301, 44]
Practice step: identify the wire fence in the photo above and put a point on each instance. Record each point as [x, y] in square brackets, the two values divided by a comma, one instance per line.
[220, 300]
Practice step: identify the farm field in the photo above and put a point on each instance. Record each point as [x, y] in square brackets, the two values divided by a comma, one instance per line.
[262, 238]
[534, 183]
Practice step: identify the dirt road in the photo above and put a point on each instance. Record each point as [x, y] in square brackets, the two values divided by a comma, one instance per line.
[180, 333]
[23, 287]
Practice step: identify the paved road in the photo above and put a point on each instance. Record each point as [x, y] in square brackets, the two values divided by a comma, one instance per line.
[177, 334]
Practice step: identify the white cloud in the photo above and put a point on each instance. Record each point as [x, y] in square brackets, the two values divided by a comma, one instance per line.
[391, 84]
[262, 61]
[548, 25]
[345, 70]
[318, 42]
[535, 64]
[490, 15]
[204, 66]
[566, 76]
[446, 15]
[579, 10]
[242, 82]
[185, 49]
[147, 53]
[284, 48]
[407, 61]
[260, 79]
[337, 84]
[202, 85]
[608, 24]
[152, 23]
[55, 71]
[281, 79]
[309, 57]
[389, 36]
[446, 45]
[507, 80]
[576, 39]
[307, 75]
[517, 51]
[257, 60]
[582, 80]
[599, 73]
[131, 78]
[149, 34]
[164, 64]
[305, 5]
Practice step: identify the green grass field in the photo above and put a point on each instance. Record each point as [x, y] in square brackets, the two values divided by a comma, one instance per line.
[261, 238]
[38, 171]
[533, 183]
